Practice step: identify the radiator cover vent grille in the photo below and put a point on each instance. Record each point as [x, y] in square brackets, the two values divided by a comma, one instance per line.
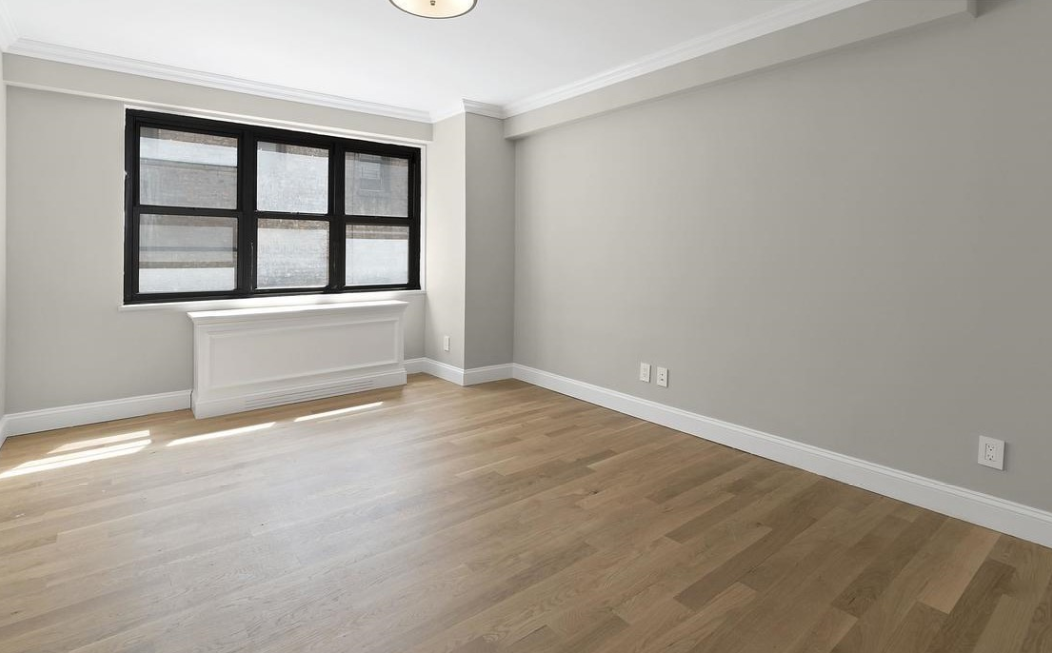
[280, 398]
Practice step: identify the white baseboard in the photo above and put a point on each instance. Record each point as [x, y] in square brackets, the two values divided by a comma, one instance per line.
[35, 421]
[48, 419]
[416, 366]
[489, 374]
[457, 375]
[443, 371]
[975, 507]
[1001, 515]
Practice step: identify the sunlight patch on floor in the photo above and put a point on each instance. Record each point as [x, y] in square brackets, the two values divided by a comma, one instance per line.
[98, 442]
[79, 458]
[341, 411]
[221, 434]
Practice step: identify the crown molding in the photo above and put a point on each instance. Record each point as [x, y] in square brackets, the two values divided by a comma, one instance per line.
[76, 56]
[768, 23]
[483, 109]
[765, 24]
[470, 106]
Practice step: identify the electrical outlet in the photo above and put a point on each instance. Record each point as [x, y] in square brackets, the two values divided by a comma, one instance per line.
[991, 452]
[644, 372]
[445, 343]
[662, 377]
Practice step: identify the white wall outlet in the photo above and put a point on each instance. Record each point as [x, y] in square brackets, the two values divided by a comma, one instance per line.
[445, 343]
[644, 372]
[662, 377]
[991, 452]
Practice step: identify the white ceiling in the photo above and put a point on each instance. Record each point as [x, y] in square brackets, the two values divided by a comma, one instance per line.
[506, 51]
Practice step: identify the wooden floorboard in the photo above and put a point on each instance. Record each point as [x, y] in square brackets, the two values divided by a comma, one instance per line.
[498, 518]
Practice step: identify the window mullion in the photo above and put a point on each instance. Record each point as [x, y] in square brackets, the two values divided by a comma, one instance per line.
[246, 257]
[415, 209]
[131, 198]
[337, 228]
[183, 210]
[374, 220]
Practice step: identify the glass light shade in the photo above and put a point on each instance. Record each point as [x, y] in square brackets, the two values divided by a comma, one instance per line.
[436, 8]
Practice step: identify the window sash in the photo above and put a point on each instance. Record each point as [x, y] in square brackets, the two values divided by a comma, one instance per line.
[247, 216]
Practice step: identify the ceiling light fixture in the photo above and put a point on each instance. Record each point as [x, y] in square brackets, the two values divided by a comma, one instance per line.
[436, 8]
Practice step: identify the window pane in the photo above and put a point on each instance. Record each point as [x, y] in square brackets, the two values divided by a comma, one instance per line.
[292, 178]
[179, 168]
[377, 185]
[292, 254]
[377, 255]
[179, 253]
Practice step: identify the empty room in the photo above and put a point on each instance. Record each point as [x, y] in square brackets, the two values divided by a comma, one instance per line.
[526, 326]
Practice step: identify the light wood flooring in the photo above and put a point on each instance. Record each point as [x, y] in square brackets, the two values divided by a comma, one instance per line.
[473, 520]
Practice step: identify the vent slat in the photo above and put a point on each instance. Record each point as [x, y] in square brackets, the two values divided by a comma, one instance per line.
[279, 398]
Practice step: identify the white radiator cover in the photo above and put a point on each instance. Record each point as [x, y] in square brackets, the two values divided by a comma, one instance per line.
[254, 358]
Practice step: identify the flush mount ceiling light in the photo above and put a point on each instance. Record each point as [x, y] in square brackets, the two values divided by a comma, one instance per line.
[436, 8]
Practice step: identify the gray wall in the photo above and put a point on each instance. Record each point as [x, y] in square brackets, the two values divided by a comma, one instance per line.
[470, 242]
[445, 241]
[490, 256]
[68, 343]
[3, 239]
[851, 251]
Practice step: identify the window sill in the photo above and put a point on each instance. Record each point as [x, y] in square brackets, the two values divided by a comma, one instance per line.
[265, 302]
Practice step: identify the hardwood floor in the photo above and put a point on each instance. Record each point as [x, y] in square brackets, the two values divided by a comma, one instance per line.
[467, 520]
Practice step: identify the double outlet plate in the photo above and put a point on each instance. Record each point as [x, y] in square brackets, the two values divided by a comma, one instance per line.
[662, 374]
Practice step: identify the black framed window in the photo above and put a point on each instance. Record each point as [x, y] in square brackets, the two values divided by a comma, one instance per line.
[219, 210]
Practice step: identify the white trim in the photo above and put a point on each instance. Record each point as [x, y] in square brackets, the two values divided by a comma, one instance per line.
[998, 514]
[1005, 516]
[773, 21]
[263, 302]
[483, 109]
[34, 421]
[243, 358]
[768, 23]
[453, 374]
[76, 56]
[479, 375]
[416, 366]
[245, 119]
[469, 106]
[438, 369]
